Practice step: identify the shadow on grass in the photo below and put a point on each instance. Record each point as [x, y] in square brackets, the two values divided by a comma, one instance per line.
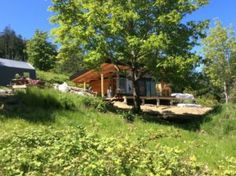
[41, 106]
[185, 121]
[35, 115]
[33, 107]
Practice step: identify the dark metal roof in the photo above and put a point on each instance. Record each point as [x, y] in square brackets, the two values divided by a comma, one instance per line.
[78, 74]
[15, 64]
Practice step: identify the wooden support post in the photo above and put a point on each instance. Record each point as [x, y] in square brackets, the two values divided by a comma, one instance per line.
[158, 101]
[117, 83]
[84, 86]
[143, 101]
[125, 100]
[102, 85]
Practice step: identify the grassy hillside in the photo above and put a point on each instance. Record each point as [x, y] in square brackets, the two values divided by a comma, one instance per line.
[44, 131]
[51, 77]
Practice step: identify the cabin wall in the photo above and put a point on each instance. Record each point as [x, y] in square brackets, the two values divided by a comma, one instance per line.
[8, 73]
[96, 86]
[120, 84]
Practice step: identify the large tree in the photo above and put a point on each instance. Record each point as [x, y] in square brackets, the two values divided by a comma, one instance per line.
[12, 46]
[220, 62]
[147, 35]
[41, 52]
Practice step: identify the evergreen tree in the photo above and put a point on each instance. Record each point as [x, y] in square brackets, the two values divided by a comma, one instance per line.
[41, 53]
[12, 46]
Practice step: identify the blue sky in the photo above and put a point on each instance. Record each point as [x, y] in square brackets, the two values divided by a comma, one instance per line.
[25, 16]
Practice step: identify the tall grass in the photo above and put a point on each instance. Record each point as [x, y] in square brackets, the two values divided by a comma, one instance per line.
[222, 121]
[41, 105]
[52, 99]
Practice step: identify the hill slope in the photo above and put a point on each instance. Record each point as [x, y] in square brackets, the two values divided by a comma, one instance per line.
[44, 131]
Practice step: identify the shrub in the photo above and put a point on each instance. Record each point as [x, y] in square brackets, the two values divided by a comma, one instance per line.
[94, 102]
[207, 100]
[129, 116]
[48, 151]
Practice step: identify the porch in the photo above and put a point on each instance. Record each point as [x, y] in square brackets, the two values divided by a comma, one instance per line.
[113, 82]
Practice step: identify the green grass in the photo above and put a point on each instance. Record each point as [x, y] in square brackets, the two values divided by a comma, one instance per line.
[211, 140]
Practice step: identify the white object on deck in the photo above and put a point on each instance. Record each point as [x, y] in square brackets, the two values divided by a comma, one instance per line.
[189, 105]
[183, 96]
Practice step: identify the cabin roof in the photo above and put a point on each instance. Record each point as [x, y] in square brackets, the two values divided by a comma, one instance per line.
[15, 64]
[95, 74]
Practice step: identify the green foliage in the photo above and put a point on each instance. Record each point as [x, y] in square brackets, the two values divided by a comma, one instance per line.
[220, 50]
[108, 146]
[147, 36]
[17, 76]
[26, 75]
[223, 121]
[70, 65]
[207, 100]
[51, 77]
[52, 99]
[75, 152]
[41, 52]
[232, 93]
[97, 103]
[12, 46]
[228, 166]
[129, 116]
[45, 98]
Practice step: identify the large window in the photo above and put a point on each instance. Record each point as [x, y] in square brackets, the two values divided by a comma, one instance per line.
[122, 85]
[147, 87]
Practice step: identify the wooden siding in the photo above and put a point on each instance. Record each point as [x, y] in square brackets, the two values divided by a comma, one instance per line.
[96, 85]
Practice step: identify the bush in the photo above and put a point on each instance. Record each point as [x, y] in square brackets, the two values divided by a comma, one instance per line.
[95, 102]
[129, 116]
[48, 151]
[207, 100]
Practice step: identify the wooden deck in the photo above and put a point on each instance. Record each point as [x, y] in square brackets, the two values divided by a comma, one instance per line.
[168, 112]
[156, 98]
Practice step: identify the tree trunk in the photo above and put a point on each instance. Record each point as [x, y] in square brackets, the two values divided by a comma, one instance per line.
[225, 93]
[136, 108]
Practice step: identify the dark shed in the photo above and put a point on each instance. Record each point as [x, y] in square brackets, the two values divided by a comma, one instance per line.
[9, 68]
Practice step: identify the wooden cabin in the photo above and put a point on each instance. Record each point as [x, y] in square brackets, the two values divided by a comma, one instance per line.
[111, 80]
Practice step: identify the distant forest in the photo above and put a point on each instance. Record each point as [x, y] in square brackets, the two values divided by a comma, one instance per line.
[12, 45]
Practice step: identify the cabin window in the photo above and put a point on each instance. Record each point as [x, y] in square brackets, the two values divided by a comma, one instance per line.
[122, 85]
[129, 87]
[153, 88]
[142, 87]
[147, 87]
